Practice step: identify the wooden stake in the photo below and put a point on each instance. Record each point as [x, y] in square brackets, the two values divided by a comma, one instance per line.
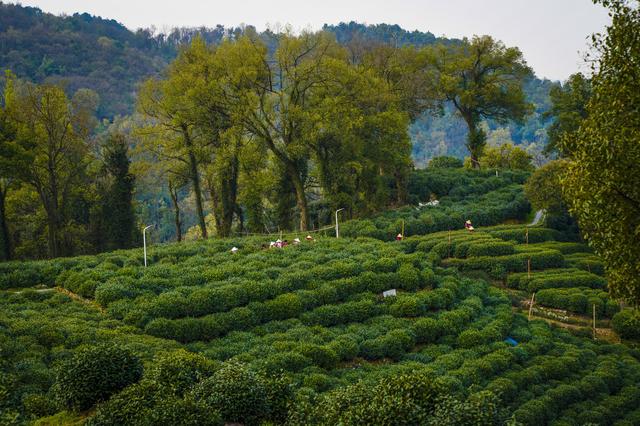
[594, 321]
[526, 236]
[529, 268]
[533, 297]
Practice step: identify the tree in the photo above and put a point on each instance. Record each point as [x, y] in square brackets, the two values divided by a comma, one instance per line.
[544, 191]
[118, 216]
[171, 133]
[51, 146]
[7, 163]
[505, 156]
[483, 80]
[602, 183]
[569, 109]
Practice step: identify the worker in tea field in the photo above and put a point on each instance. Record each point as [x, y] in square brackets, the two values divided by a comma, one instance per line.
[468, 226]
[399, 237]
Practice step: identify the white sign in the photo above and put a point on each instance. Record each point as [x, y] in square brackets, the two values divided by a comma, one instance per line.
[388, 293]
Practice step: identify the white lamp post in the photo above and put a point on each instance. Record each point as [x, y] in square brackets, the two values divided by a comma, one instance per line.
[144, 242]
[337, 229]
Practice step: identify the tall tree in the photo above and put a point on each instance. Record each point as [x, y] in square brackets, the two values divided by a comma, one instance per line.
[171, 131]
[7, 173]
[602, 182]
[51, 134]
[118, 216]
[277, 105]
[483, 80]
[568, 109]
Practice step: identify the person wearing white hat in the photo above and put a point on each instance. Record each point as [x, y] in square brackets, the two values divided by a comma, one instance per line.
[234, 250]
[309, 238]
[296, 241]
[468, 225]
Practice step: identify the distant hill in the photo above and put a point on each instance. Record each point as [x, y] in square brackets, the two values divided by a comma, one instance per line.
[103, 55]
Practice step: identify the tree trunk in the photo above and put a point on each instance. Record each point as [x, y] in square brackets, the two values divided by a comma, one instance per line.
[4, 227]
[195, 179]
[215, 205]
[301, 198]
[176, 208]
[53, 225]
[476, 140]
[229, 196]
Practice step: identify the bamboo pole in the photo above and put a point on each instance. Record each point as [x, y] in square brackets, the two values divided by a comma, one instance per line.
[529, 268]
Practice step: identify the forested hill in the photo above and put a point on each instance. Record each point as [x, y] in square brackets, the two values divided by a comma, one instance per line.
[84, 51]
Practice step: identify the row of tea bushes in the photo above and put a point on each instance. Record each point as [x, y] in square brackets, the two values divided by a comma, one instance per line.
[556, 278]
[579, 300]
[487, 209]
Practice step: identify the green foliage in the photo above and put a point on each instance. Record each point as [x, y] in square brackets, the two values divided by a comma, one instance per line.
[95, 373]
[505, 156]
[237, 393]
[602, 183]
[495, 95]
[578, 300]
[568, 109]
[627, 323]
[445, 162]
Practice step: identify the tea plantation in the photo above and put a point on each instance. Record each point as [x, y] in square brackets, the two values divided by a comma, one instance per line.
[302, 335]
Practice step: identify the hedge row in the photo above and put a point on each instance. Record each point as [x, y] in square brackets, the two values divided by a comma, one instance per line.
[498, 265]
[555, 278]
[579, 300]
[484, 210]
[289, 305]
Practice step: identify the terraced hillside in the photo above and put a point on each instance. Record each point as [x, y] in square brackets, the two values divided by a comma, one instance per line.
[303, 334]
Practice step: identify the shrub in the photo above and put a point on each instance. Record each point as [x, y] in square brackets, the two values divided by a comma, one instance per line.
[445, 162]
[180, 370]
[627, 324]
[237, 393]
[95, 373]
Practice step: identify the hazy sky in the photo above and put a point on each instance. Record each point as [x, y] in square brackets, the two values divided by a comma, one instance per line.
[551, 33]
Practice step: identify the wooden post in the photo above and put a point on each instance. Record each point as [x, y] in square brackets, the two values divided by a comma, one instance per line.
[533, 297]
[526, 236]
[594, 321]
[529, 268]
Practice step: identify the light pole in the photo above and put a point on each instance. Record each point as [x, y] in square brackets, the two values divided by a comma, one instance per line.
[144, 242]
[337, 230]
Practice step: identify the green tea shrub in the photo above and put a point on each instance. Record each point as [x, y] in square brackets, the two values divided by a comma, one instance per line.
[627, 323]
[95, 373]
[237, 393]
[180, 370]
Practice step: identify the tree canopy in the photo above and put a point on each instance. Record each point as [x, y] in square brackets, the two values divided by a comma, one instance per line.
[602, 182]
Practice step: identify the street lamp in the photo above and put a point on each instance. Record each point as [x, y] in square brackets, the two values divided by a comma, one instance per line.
[144, 242]
[337, 230]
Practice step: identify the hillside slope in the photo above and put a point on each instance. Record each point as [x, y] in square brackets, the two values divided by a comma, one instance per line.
[307, 335]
